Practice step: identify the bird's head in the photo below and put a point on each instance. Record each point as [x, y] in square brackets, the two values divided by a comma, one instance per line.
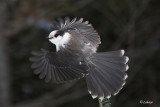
[59, 38]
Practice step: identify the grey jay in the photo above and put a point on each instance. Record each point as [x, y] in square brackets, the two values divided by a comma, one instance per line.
[76, 57]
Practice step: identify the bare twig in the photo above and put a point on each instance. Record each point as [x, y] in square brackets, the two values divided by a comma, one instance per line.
[104, 103]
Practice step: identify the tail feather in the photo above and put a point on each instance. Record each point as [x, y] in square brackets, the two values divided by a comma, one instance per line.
[102, 77]
[106, 90]
[116, 79]
[114, 69]
[96, 86]
[106, 74]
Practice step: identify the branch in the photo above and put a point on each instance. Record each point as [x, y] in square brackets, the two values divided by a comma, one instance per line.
[105, 102]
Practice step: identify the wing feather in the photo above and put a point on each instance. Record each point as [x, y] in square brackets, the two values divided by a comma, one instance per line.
[57, 66]
[78, 28]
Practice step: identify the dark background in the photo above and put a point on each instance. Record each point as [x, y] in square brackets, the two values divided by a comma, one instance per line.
[133, 25]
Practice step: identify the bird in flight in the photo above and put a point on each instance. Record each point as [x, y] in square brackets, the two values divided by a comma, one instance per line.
[76, 57]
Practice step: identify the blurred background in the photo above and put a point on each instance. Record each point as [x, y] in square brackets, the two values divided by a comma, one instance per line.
[133, 25]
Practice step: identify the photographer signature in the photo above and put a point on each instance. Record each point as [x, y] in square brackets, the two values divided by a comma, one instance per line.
[145, 102]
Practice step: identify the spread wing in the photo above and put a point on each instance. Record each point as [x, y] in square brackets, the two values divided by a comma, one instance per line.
[58, 66]
[78, 28]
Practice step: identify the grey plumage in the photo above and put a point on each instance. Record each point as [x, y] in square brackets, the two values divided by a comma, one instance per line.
[57, 66]
[104, 71]
[78, 28]
[107, 73]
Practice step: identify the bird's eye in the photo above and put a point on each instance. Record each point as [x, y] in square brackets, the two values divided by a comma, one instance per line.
[56, 35]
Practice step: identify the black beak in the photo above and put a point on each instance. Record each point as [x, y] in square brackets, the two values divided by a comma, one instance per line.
[48, 37]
